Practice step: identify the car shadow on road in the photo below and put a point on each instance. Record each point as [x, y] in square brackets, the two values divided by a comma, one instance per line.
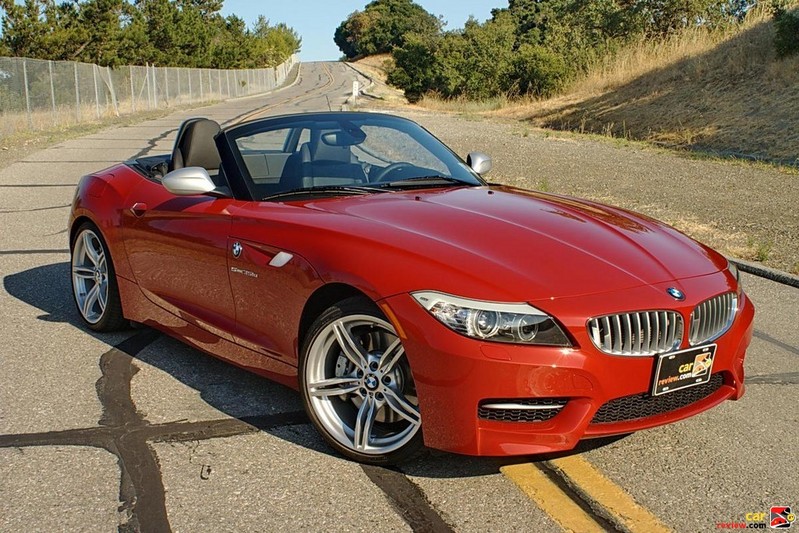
[234, 392]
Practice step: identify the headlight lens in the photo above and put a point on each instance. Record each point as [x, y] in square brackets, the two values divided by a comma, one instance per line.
[490, 321]
[735, 272]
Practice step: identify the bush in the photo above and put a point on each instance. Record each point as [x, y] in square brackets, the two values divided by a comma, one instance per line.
[786, 37]
[539, 71]
[415, 66]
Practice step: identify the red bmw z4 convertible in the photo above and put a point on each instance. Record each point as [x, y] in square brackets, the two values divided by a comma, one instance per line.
[356, 258]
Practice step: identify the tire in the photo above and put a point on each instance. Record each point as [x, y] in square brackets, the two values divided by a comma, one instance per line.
[94, 283]
[357, 386]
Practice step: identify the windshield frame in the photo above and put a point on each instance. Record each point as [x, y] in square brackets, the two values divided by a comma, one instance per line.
[245, 189]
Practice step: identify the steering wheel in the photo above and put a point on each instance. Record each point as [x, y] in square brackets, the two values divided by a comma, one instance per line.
[381, 175]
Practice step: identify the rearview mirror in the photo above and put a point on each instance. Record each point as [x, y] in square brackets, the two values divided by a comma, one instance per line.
[479, 162]
[188, 181]
[352, 137]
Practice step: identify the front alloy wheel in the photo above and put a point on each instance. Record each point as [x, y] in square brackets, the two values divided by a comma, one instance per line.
[357, 385]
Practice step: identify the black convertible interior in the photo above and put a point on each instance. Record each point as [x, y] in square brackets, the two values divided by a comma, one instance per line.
[344, 152]
[304, 160]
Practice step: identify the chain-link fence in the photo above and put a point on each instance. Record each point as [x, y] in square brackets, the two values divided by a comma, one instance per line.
[39, 95]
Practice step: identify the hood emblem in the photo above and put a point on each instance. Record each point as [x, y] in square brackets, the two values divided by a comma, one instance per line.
[237, 248]
[677, 294]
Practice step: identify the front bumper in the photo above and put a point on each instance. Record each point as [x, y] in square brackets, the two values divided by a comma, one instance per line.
[453, 374]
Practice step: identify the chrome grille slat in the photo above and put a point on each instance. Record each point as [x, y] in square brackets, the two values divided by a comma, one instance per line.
[712, 318]
[639, 333]
[521, 409]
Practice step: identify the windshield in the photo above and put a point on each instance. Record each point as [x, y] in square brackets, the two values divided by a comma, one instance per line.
[345, 153]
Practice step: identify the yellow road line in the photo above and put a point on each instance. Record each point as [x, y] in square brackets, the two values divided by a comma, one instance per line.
[613, 498]
[551, 499]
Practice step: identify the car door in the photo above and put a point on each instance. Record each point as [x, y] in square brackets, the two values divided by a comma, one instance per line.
[270, 282]
[177, 248]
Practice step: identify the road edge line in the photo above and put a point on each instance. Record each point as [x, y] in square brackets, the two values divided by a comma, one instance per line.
[593, 486]
[550, 498]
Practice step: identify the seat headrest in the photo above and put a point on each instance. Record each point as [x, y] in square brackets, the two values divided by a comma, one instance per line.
[195, 146]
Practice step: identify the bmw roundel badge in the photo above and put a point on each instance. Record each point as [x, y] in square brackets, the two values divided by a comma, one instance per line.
[675, 293]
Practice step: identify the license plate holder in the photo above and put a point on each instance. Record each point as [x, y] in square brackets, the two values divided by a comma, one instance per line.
[680, 370]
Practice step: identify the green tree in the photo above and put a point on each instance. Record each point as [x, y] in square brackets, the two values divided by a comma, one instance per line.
[181, 33]
[416, 68]
[382, 26]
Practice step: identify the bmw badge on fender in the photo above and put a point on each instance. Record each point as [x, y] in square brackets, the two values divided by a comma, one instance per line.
[356, 258]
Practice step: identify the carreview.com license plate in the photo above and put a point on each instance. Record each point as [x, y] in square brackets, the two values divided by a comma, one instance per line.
[680, 370]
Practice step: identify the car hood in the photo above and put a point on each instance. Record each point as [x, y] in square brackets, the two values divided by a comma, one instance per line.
[548, 245]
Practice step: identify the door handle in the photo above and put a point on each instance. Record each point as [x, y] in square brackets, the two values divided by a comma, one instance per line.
[138, 209]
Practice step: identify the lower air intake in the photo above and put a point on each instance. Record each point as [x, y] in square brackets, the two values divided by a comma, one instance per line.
[527, 410]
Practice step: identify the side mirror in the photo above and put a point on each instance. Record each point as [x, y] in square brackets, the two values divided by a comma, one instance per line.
[480, 162]
[188, 181]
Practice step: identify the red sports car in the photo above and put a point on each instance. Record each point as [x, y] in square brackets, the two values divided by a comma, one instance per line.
[355, 257]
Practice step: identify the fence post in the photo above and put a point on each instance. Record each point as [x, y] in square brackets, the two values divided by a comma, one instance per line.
[27, 93]
[132, 90]
[155, 88]
[96, 91]
[77, 95]
[52, 91]
[180, 90]
[113, 91]
[149, 88]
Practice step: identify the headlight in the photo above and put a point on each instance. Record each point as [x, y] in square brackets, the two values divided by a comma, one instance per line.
[490, 321]
[735, 273]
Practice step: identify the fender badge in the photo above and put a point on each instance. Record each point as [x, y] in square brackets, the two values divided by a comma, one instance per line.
[677, 294]
[237, 248]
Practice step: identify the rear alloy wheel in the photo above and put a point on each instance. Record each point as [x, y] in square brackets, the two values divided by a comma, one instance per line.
[357, 385]
[94, 284]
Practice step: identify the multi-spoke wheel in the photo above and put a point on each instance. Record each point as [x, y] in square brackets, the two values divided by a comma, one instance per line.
[357, 385]
[93, 281]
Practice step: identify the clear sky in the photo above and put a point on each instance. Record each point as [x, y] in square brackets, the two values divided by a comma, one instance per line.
[317, 20]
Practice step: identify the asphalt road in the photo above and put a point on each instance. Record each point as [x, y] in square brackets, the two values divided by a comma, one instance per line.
[135, 431]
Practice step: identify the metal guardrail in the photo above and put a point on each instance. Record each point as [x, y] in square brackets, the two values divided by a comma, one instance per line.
[40, 95]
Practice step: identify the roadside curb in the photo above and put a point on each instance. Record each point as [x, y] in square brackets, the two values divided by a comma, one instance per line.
[768, 273]
[364, 90]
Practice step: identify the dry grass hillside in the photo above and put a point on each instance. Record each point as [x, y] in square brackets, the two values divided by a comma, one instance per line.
[724, 92]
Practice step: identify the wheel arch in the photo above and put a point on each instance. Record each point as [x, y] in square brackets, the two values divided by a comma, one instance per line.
[321, 299]
[76, 224]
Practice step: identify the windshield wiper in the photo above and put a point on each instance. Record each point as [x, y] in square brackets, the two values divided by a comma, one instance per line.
[326, 190]
[424, 181]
